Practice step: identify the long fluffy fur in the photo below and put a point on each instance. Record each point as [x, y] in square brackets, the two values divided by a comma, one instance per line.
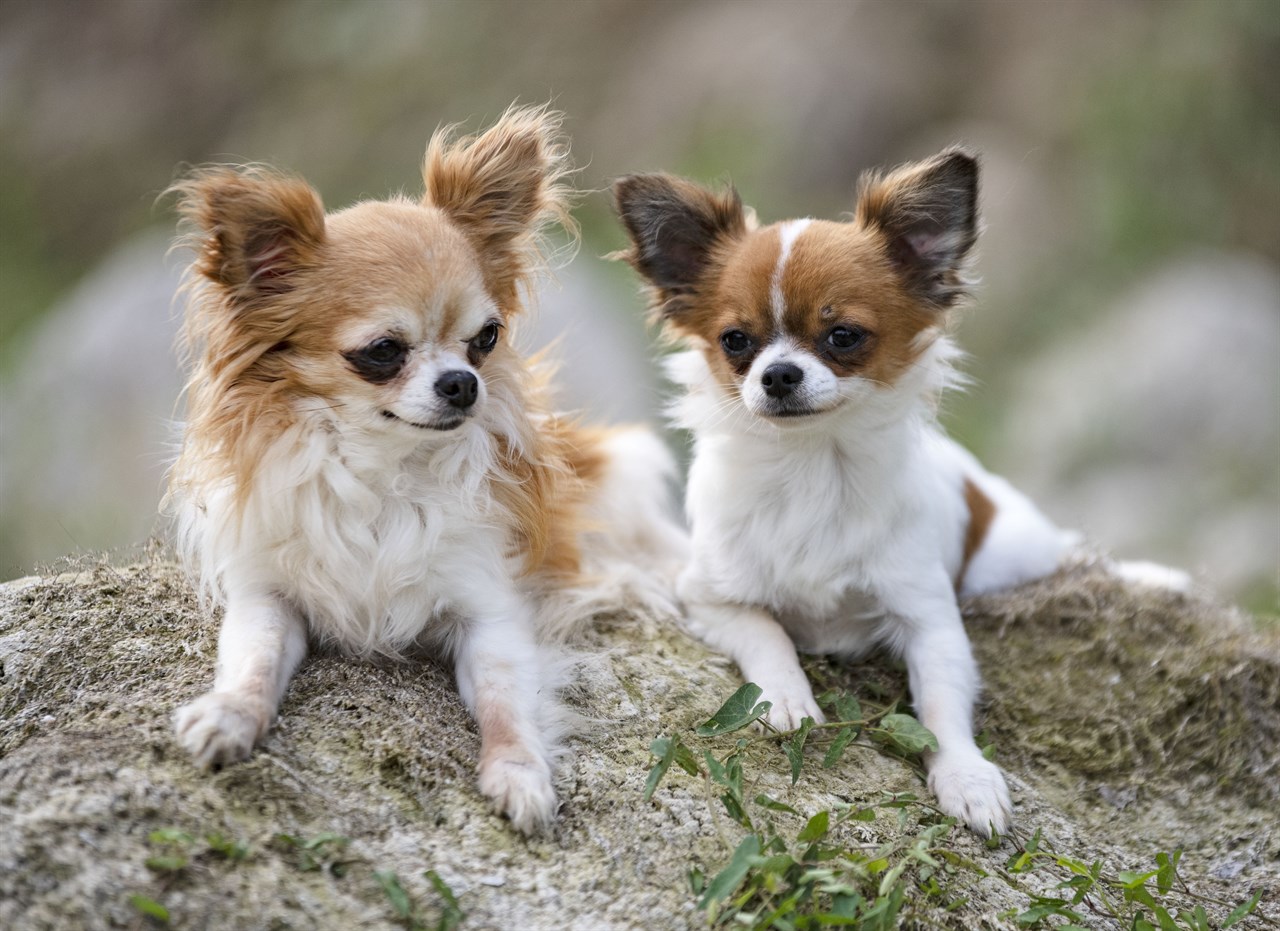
[322, 498]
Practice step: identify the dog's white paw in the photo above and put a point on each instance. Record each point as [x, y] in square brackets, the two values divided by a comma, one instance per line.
[220, 727]
[519, 785]
[972, 789]
[791, 707]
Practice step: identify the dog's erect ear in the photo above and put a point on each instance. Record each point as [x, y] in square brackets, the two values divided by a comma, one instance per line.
[928, 215]
[253, 230]
[502, 188]
[675, 226]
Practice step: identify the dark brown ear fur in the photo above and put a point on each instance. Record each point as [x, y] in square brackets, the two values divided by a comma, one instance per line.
[253, 230]
[502, 188]
[928, 216]
[675, 227]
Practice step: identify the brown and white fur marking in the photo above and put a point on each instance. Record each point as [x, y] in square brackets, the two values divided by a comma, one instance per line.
[829, 511]
[369, 465]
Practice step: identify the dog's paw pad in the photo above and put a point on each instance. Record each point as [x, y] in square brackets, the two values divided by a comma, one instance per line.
[219, 728]
[972, 789]
[520, 787]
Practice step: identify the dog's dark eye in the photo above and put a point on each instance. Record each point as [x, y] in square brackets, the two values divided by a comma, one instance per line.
[735, 342]
[483, 342]
[379, 361]
[385, 352]
[845, 338]
[487, 338]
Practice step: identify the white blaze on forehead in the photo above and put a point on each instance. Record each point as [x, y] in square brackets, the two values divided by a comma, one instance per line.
[788, 233]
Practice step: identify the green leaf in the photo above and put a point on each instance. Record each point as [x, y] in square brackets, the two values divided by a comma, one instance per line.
[664, 748]
[883, 916]
[1130, 880]
[816, 829]
[844, 707]
[740, 710]
[1141, 895]
[765, 802]
[733, 806]
[1242, 910]
[453, 914]
[836, 750]
[1199, 921]
[846, 905]
[227, 848]
[697, 880]
[170, 836]
[396, 895]
[890, 879]
[729, 878]
[166, 864]
[149, 907]
[794, 748]
[686, 760]
[906, 733]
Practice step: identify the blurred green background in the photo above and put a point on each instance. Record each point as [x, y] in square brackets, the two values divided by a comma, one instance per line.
[1124, 342]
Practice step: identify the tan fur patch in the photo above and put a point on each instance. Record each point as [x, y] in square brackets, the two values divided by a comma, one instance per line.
[982, 511]
[837, 275]
[739, 300]
[545, 489]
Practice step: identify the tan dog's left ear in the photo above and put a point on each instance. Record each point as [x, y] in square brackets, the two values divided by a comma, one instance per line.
[503, 188]
[927, 215]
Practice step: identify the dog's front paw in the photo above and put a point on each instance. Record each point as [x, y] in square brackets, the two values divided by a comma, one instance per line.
[220, 727]
[519, 785]
[791, 707]
[972, 789]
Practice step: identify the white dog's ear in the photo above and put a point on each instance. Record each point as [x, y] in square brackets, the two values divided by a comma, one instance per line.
[675, 227]
[927, 214]
[253, 230]
[502, 188]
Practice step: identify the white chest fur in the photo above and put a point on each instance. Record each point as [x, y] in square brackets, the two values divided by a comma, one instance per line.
[374, 558]
[811, 526]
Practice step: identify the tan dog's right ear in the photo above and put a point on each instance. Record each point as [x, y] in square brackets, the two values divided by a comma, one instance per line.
[502, 188]
[675, 226]
[253, 229]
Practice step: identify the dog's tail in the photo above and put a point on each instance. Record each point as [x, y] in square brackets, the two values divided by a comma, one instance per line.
[632, 546]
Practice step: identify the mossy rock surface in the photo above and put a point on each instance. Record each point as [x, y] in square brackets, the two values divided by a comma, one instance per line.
[1128, 721]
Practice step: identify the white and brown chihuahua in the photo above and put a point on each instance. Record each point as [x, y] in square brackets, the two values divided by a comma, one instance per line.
[828, 509]
[368, 463]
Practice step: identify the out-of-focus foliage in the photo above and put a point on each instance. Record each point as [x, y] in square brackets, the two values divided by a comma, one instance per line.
[1119, 137]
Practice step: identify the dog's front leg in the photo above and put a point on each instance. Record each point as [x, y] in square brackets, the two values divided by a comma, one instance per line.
[761, 648]
[501, 683]
[944, 686]
[259, 647]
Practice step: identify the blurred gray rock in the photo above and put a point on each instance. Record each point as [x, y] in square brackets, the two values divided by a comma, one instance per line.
[1156, 429]
[85, 413]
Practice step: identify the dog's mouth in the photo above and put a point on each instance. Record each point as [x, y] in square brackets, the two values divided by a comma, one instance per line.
[441, 425]
[795, 413]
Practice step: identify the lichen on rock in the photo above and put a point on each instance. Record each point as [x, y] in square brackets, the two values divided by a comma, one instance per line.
[1128, 720]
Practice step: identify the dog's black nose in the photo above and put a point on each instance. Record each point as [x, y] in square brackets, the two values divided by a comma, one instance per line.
[781, 378]
[458, 388]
